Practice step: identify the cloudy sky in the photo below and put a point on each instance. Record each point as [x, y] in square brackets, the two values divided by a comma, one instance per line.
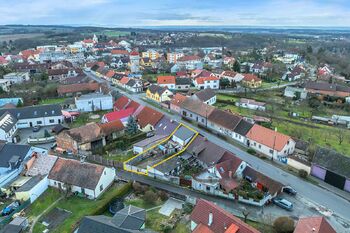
[127, 13]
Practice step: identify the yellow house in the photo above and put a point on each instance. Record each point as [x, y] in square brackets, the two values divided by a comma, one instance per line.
[158, 93]
[145, 61]
[151, 54]
[251, 81]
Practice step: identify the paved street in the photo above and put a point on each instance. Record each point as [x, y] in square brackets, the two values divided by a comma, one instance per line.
[309, 196]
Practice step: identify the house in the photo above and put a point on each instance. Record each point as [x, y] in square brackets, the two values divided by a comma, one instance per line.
[251, 81]
[146, 62]
[151, 54]
[134, 85]
[119, 52]
[12, 160]
[332, 168]
[10, 101]
[158, 93]
[207, 96]
[196, 110]
[232, 76]
[112, 130]
[270, 142]
[165, 126]
[261, 67]
[183, 135]
[317, 224]
[39, 165]
[8, 128]
[190, 62]
[206, 82]
[94, 102]
[173, 57]
[207, 217]
[85, 178]
[130, 219]
[32, 189]
[262, 182]
[141, 146]
[223, 122]
[295, 92]
[42, 115]
[77, 89]
[17, 77]
[124, 102]
[17, 225]
[147, 119]
[241, 130]
[176, 102]
[327, 89]
[61, 74]
[5, 85]
[166, 81]
[122, 115]
[182, 83]
[296, 73]
[251, 104]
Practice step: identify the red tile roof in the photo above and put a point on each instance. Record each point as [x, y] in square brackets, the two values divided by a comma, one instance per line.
[121, 102]
[78, 87]
[313, 225]
[148, 116]
[111, 127]
[251, 77]
[189, 58]
[201, 228]
[268, 137]
[110, 73]
[118, 115]
[178, 99]
[221, 218]
[166, 80]
[119, 52]
[201, 80]
[134, 53]
[124, 80]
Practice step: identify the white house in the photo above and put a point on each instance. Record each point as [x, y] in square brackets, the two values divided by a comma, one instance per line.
[94, 102]
[5, 85]
[295, 92]
[207, 96]
[206, 82]
[42, 115]
[8, 127]
[134, 85]
[32, 189]
[190, 63]
[251, 104]
[232, 76]
[270, 142]
[88, 179]
[17, 77]
[183, 136]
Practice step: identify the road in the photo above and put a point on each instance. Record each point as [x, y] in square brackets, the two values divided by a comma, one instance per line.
[336, 208]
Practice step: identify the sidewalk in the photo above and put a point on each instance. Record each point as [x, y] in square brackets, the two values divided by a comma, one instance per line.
[341, 193]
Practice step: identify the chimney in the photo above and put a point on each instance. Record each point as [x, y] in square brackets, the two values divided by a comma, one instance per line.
[230, 174]
[210, 221]
[313, 229]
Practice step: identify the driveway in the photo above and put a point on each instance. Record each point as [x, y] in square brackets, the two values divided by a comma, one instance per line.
[170, 205]
[26, 133]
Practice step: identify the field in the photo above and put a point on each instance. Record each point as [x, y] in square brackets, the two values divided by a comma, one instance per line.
[111, 33]
[53, 101]
[13, 37]
[279, 109]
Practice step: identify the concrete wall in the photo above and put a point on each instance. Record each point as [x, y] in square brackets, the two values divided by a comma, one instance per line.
[298, 165]
[347, 185]
[318, 172]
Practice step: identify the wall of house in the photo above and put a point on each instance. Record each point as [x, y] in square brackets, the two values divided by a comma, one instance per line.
[89, 105]
[220, 129]
[42, 121]
[35, 192]
[288, 149]
[298, 165]
[318, 172]
[66, 143]
[56, 184]
[205, 187]
[175, 108]
[105, 181]
[194, 117]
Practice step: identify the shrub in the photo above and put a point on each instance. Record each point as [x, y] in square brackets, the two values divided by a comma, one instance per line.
[284, 225]
[150, 197]
[251, 151]
[163, 195]
[138, 188]
[302, 173]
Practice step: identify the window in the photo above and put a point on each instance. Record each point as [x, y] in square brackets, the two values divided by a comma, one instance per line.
[101, 188]
[202, 120]
[82, 190]
[104, 172]
[52, 121]
[271, 151]
[39, 122]
[259, 146]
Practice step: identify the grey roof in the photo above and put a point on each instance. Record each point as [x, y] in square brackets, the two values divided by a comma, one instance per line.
[150, 141]
[157, 89]
[93, 96]
[243, 127]
[34, 111]
[9, 228]
[170, 165]
[7, 121]
[183, 81]
[130, 217]
[165, 126]
[184, 133]
[205, 94]
[29, 184]
[332, 161]
[10, 151]
[100, 224]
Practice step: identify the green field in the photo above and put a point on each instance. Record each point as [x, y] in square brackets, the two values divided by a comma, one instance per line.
[110, 33]
[53, 101]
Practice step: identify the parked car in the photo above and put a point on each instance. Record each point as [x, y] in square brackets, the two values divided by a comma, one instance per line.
[289, 190]
[10, 208]
[283, 203]
[36, 128]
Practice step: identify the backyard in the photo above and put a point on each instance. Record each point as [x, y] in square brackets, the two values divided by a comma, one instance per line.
[78, 207]
[301, 127]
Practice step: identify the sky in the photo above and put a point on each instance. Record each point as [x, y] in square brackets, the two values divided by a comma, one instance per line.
[138, 13]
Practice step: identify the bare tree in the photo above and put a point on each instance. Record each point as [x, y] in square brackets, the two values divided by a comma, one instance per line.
[245, 213]
[340, 135]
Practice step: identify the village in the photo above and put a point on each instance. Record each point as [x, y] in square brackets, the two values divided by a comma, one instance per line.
[117, 135]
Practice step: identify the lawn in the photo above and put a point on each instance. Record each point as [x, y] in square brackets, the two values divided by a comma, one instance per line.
[85, 118]
[53, 101]
[120, 157]
[181, 228]
[139, 202]
[154, 220]
[79, 206]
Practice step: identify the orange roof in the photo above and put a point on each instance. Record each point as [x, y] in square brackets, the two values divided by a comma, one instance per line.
[134, 53]
[166, 80]
[124, 80]
[268, 137]
[232, 229]
[251, 77]
[148, 116]
[313, 224]
[88, 41]
[178, 99]
[119, 51]
[201, 80]
[110, 73]
[111, 127]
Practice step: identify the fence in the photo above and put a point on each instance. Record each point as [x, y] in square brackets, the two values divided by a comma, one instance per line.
[103, 161]
[8, 218]
[41, 140]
